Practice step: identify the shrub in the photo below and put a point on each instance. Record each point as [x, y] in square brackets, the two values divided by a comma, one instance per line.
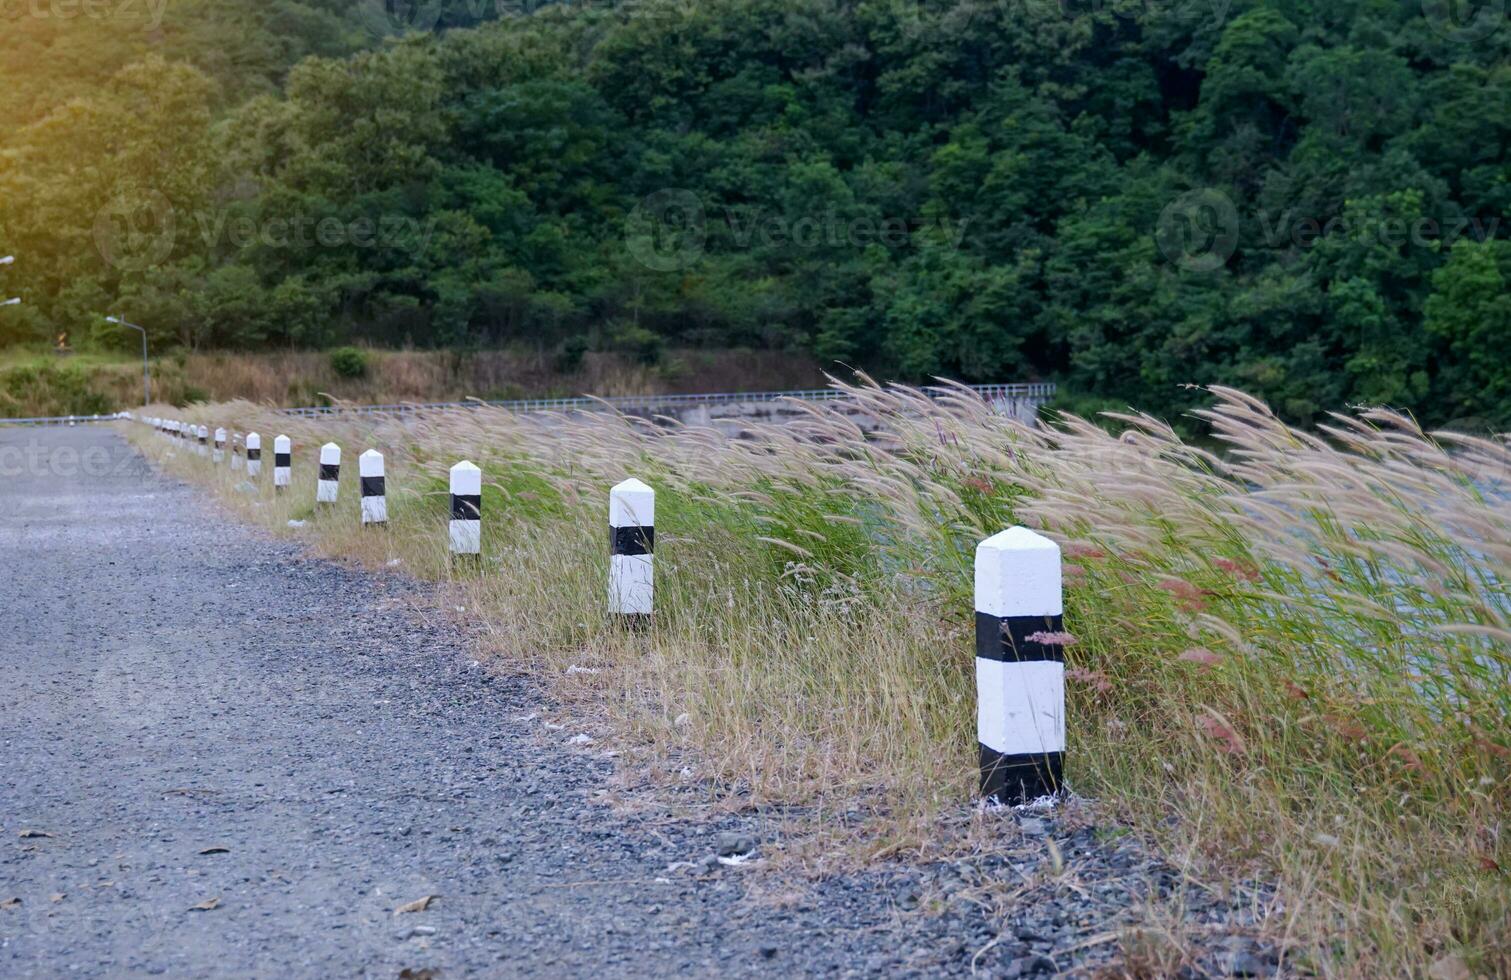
[348, 362]
[569, 356]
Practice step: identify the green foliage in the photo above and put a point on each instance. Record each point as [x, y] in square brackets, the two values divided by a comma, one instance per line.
[1470, 312]
[50, 389]
[978, 190]
[348, 362]
[570, 354]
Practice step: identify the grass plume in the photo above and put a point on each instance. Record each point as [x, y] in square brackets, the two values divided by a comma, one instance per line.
[1292, 648]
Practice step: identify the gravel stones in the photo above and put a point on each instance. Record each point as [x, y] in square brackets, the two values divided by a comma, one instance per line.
[174, 682]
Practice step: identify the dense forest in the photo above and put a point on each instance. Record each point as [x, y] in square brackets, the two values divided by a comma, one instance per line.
[1304, 199]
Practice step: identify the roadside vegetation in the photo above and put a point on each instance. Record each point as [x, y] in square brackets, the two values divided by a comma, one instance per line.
[1292, 656]
[36, 382]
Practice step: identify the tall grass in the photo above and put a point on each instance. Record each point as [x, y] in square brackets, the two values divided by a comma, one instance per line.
[38, 382]
[1291, 658]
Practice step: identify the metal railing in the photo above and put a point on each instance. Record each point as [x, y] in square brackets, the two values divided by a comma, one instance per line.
[66, 419]
[629, 404]
[649, 403]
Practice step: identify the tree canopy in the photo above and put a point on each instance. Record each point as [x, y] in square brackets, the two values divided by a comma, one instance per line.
[1301, 199]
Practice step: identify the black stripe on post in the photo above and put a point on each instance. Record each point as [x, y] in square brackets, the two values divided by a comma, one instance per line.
[330, 471]
[1007, 638]
[632, 540]
[283, 459]
[254, 454]
[466, 507]
[372, 486]
[1020, 777]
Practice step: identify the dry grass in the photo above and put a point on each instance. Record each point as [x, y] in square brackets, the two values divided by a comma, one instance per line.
[40, 383]
[1292, 656]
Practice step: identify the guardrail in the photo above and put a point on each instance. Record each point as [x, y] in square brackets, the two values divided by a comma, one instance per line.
[67, 419]
[628, 404]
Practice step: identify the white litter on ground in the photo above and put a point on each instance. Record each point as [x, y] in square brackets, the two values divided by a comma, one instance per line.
[735, 860]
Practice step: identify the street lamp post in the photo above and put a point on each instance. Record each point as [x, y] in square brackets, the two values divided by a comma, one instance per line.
[146, 379]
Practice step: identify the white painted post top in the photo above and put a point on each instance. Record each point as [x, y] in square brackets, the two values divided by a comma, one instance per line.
[282, 444]
[204, 432]
[330, 454]
[466, 479]
[370, 463]
[632, 504]
[1018, 574]
[220, 435]
[254, 441]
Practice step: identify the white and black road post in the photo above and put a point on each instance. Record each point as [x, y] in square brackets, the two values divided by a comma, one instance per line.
[236, 450]
[374, 491]
[283, 462]
[203, 433]
[219, 455]
[632, 543]
[254, 454]
[466, 510]
[1020, 667]
[330, 474]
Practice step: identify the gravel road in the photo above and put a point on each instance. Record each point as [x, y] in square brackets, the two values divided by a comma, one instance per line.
[223, 759]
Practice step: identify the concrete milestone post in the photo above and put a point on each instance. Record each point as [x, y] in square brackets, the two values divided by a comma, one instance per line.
[254, 454]
[374, 491]
[220, 446]
[1020, 666]
[466, 510]
[330, 474]
[632, 543]
[283, 461]
[236, 450]
[203, 432]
